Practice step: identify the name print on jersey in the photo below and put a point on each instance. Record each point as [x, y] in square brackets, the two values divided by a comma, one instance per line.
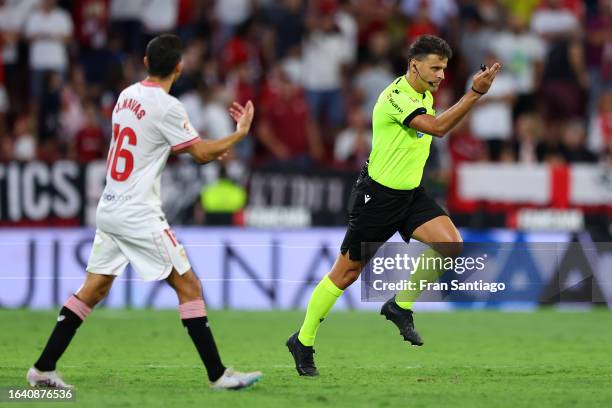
[132, 105]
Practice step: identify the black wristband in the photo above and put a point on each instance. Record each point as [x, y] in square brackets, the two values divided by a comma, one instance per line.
[478, 92]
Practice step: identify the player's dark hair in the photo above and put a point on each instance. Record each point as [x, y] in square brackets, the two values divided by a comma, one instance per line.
[425, 45]
[163, 54]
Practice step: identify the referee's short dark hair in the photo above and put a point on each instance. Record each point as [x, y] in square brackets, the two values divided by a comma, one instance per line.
[163, 54]
[429, 44]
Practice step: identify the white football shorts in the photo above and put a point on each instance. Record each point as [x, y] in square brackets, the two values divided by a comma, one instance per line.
[152, 256]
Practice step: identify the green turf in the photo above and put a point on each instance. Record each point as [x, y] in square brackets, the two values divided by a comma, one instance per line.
[470, 359]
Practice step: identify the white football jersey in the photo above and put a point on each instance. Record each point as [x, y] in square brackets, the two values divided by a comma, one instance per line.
[148, 124]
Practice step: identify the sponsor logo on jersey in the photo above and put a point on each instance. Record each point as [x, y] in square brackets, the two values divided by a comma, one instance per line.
[394, 104]
[117, 197]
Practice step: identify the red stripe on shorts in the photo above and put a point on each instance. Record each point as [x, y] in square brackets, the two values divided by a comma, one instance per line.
[171, 236]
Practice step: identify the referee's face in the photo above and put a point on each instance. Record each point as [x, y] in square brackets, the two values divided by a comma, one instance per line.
[431, 71]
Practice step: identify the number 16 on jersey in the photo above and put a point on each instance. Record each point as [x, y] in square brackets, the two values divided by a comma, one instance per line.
[121, 136]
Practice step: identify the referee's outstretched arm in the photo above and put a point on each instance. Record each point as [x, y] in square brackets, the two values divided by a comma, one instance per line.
[441, 125]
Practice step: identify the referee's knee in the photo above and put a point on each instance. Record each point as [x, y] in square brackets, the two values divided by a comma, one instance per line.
[451, 246]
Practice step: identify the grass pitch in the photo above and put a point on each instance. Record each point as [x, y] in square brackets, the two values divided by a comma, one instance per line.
[470, 359]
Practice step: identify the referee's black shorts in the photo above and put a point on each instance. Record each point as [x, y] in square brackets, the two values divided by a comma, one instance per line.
[377, 212]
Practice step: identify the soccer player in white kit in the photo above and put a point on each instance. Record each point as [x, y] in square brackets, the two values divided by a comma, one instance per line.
[148, 124]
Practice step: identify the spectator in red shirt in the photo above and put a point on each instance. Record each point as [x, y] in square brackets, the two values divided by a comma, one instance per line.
[420, 26]
[285, 127]
[89, 142]
[91, 22]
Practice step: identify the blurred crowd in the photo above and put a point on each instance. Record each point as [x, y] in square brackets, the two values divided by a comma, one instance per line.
[314, 69]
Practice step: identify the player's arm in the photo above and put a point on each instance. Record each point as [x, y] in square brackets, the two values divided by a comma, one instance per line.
[205, 151]
[441, 125]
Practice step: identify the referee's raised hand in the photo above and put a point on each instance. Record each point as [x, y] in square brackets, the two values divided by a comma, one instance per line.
[483, 79]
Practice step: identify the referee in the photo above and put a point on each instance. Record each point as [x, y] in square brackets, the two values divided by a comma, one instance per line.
[387, 197]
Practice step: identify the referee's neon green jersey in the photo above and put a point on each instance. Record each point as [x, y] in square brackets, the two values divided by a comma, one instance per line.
[399, 152]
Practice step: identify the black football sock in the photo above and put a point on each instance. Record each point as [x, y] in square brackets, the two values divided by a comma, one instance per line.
[202, 338]
[67, 324]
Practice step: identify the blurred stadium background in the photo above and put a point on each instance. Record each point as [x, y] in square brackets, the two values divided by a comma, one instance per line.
[533, 163]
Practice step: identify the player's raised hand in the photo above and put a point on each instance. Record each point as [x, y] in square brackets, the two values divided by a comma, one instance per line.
[236, 110]
[243, 115]
[483, 79]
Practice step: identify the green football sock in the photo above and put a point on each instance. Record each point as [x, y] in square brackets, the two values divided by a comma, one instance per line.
[429, 269]
[321, 301]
